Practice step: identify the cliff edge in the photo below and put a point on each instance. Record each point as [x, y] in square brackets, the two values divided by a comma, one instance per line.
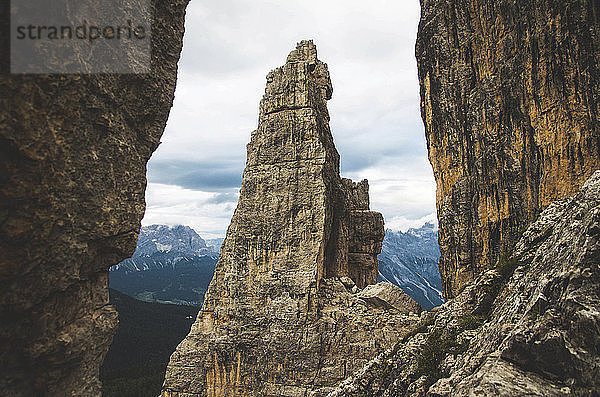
[73, 153]
[529, 326]
[510, 95]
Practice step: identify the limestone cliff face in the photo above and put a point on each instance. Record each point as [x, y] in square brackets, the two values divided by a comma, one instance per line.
[510, 100]
[528, 327]
[73, 150]
[282, 316]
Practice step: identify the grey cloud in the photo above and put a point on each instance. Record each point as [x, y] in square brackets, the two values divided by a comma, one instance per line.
[227, 197]
[206, 176]
[379, 149]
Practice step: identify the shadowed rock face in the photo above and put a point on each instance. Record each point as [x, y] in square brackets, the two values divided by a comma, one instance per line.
[510, 101]
[281, 316]
[73, 151]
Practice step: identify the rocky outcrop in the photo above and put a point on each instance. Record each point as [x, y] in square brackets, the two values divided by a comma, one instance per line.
[389, 296]
[281, 316]
[530, 326]
[509, 96]
[510, 101]
[73, 150]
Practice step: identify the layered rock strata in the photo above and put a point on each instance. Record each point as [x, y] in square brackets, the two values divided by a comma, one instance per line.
[510, 101]
[530, 326]
[73, 151]
[282, 316]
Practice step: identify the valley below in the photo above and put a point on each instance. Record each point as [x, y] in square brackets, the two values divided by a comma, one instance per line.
[146, 336]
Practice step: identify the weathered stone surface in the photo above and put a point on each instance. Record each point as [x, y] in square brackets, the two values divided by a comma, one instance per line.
[388, 295]
[280, 317]
[510, 101]
[73, 150]
[531, 326]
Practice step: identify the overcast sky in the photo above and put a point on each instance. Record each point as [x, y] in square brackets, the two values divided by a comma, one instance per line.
[230, 46]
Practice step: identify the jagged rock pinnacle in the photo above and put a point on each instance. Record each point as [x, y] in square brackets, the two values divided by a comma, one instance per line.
[277, 315]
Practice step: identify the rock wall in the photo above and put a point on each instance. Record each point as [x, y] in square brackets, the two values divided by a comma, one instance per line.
[73, 151]
[510, 101]
[282, 316]
[530, 326]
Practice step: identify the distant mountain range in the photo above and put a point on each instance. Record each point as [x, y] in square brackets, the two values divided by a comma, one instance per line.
[170, 265]
[175, 265]
[410, 260]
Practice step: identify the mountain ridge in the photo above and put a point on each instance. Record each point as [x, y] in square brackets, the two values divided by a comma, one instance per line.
[407, 260]
[410, 260]
[171, 264]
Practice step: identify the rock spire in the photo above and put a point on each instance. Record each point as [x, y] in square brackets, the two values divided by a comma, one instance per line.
[282, 315]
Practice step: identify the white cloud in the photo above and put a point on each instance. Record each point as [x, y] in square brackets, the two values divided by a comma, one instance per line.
[400, 190]
[400, 223]
[174, 205]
